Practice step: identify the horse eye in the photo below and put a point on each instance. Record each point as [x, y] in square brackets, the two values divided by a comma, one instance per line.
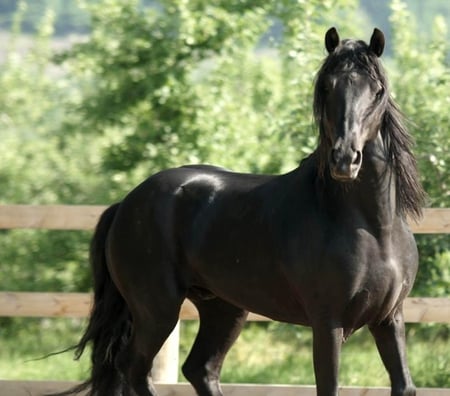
[379, 93]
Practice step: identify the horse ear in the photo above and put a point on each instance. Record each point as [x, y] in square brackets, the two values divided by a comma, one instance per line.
[377, 42]
[331, 40]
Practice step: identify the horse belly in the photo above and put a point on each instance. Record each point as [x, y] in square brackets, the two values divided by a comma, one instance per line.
[258, 288]
[273, 304]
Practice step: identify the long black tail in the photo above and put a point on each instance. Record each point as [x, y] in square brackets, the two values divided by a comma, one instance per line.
[109, 325]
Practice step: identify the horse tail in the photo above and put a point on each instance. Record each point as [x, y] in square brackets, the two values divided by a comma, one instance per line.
[109, 326]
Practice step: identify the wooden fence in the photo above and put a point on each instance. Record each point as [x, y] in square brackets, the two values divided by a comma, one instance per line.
[67, 217]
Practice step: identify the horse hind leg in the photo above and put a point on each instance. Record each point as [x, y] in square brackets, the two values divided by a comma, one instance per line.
[150, 330]
[220, 325]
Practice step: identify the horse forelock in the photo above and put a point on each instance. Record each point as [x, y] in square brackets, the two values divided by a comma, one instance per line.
[352, 56]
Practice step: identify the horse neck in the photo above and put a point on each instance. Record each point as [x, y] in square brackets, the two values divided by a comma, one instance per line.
[372, 195]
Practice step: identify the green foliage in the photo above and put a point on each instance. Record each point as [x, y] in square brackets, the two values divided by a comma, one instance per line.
[137, 70]
[55, 260]
[41, 165]
[421, 79]
[183, 83]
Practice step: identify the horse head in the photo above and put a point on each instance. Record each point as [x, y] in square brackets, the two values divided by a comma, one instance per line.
[349, 101]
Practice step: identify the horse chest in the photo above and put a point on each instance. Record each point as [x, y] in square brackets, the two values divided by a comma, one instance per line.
[356, 277]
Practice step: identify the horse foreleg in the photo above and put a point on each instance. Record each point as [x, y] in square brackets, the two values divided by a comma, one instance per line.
[327, 342]
[390, 339]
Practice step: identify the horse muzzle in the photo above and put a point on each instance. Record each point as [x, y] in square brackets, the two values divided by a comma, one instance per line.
[345, 164]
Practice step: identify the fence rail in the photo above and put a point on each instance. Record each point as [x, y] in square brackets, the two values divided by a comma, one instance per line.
[34, 304]
[84, 217]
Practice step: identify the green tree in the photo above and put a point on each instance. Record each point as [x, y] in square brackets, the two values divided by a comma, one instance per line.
[180, 83]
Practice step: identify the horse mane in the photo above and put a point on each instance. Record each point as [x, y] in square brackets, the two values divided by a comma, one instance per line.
[410, 194]
[353, 55]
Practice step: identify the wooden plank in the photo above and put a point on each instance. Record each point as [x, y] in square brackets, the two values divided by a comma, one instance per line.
[50, 217]
[435, 221]
[35, 304]
[35, 388]
[416, 309]
[84, 217]
[427, 310]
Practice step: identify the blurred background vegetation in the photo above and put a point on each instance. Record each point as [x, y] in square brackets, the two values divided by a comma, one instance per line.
[97, 95]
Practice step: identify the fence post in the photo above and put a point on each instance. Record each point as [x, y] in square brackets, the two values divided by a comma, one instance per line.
[165, 365]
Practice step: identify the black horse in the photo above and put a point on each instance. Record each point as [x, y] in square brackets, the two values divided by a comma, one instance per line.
[326, 245]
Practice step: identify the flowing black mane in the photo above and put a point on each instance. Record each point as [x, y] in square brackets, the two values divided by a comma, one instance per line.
[356, 56]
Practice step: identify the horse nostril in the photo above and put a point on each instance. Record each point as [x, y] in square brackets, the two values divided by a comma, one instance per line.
[357, 157]
[334, 156]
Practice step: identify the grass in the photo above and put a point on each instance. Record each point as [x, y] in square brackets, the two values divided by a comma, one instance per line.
[265, 353]
[25, 340]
